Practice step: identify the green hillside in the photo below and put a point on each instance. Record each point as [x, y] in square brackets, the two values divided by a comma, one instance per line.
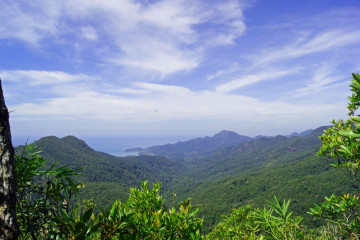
[107, 177]
[251, 172]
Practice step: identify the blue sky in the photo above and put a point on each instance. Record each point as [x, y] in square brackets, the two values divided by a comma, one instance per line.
[172, 67]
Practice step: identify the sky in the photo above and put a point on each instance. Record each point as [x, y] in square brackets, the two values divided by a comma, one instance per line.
[176, 68]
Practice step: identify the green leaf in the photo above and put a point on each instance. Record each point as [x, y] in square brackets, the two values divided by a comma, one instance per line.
[355, 118]
[356, 76]
[346, 150]
[113, 212]
[348, 133]
[87, 215]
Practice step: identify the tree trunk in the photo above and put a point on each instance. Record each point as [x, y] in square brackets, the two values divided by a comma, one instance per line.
[8, 224]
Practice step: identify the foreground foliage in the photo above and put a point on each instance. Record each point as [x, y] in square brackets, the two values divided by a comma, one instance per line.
[44, 208]
[342, 142]
[41, 194]
[276, 222]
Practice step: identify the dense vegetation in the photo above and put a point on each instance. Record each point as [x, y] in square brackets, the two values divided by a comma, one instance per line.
[225, 181]
[242, 174]
[45, 210]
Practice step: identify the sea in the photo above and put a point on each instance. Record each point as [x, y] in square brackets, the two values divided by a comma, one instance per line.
[114, 145]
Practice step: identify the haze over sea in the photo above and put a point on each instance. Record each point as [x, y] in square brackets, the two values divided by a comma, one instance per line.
[114, 145]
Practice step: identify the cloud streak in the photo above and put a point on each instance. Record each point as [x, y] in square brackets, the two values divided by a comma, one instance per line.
[163, 36]
[252, 79]
[322, 42]
[37, 78]
[160, 103]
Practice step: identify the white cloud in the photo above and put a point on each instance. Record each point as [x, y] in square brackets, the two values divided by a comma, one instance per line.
[29, 21]
[227, 21]
[89, 33]
[32, 86]
[128, 91]
[175, 18]
[253, 78]
[162, 103]
[81, 98]
[159, 36]
[321, 42]
[155, 55]
[322, 78]
[36, 78]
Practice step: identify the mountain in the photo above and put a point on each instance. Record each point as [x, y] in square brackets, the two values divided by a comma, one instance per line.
[105, 175]
[249, 172]
[195, 148]
[253, 172]
[302, 134]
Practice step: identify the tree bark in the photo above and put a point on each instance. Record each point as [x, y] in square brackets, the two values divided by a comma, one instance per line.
[8, 224]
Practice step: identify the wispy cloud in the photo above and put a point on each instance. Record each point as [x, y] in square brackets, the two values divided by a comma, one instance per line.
[163, 36]
[320, 42]
[160, 103]
[312, 56]
[226, 23]
[234, 67]
[254, 78]
[322, 78]
[29, 21]
[36, 78]
[33, 86]
[89, 33]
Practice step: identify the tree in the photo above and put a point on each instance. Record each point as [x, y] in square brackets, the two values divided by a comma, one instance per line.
[44, 212]
[342, 140]
[342, 143]
[44, 194]
[8, 224]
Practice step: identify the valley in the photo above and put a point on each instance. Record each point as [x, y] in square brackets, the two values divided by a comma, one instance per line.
[218, 173]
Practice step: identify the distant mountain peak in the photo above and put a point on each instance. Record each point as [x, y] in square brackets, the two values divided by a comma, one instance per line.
[302, 134]
[70, 141]
[197, 147]
[226, 133]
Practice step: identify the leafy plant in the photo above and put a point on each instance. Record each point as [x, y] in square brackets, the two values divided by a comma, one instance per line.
[116, 222]
[342, 212]
[342, 142]
[44, 210]
[277, 222]
[239, 225]
[151, 219]
[42, 195]
[79, 225]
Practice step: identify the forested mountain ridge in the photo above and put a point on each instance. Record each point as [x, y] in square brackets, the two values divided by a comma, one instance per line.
[77, 154]
[106, 177]
[249, 172]
[195, 148]
[201, 147]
